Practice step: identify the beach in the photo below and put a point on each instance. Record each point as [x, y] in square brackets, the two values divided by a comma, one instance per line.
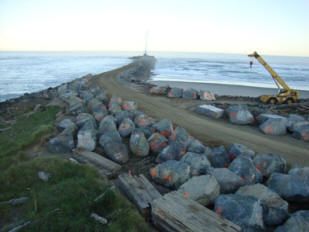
[224, 89]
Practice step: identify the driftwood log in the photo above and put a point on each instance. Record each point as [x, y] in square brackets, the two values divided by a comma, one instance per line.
[176, 213]
[105, 166]
[139, 190]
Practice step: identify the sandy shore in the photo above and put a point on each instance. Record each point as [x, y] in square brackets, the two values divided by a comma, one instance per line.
[223, 89]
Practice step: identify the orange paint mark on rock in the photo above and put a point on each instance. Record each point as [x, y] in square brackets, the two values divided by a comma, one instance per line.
[268, 129]
[153, 172]
[102, 107]
[165, 133]
[219, 211]
[233, 114]
[259, 168]
[244, 179]
[232, 156]
[186, 194]
[305, 136]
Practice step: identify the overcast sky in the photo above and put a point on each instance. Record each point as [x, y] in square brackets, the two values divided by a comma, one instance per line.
[277, 27]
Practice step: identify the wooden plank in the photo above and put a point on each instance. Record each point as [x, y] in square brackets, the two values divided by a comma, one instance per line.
[106, 166]
[139, 190]
[174, 212]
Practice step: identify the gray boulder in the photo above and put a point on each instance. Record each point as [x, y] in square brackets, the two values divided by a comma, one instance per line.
[190, 94]
[115, 100]
[76, 105]
[243, 166]
[195, 146]
[203, 189]
[64, 142]
[210, 111]
[85, 96]
[267, 164]
[113, 147]
[298, 222]
[274, 126]
[293, 119]
[171, 173]
[114, 108]
[65, 123]
[107, 125]
[159, 90]
[164, 127]
[129, 105]
[198, 162]
[239, 114]
[157, 143]
[84, 118]
[261, 118]
[219, 157]
[207, 96]
[177, 147]
[275, 209]
[119, 117]
[229, 182]
[143, 120]
[245, 211]
[292, 186]
[86, 137]
[237, 149]
[175, 93]
[126, 127]
[301, 131]
[138, 144]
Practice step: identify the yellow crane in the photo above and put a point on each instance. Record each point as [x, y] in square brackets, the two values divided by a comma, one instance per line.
[285, 93]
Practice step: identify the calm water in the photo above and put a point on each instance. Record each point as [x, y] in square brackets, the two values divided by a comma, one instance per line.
[22, 72]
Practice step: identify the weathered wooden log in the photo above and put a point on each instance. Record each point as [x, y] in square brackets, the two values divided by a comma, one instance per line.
[174, 212]
[105, 166]
[139, 190]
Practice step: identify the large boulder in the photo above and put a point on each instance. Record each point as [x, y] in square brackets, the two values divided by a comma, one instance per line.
[219, 157]
[261, 118]
[177, 147]
[86, 137]
[207, 96]
[274, 126]
[267, 164]
[195, 146]
[85, 96]
[129, 105]
[239, 114]
[159, 90]
[101, 95]
[114, 108]
[301, 131]
[126, 127]
[143, 120]
[229, 182]
[157, 143]
[175, 93]
[138, 144]
[76, 105]
[119, 117]
[189, 94]
[243, 166]
[93, 103]
[65, 123]
[245, 211]
[164, 127]
[113, 147]
[198, 162]
[99, 112]
[298, 222]
[203, 189]
[171, 173]
[292, 186]
[84, 118]
[115, 100]
[293, 119]
[237, 149]
[275, 209]
[107, 125]
[210, 111]
[64, 142]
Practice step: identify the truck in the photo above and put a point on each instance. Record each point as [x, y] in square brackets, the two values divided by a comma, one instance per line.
[285, 93]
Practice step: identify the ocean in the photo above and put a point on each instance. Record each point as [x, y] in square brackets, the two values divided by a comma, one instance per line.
[26, 72]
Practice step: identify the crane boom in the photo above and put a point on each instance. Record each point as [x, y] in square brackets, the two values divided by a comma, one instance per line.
[279, 82]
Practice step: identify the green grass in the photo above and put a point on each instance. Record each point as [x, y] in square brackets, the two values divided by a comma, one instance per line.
[27, 130]
[65, 202]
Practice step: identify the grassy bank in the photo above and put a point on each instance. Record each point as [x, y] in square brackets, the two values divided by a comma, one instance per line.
[66, 201]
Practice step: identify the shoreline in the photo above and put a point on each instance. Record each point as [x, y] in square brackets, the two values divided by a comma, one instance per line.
[226, 89]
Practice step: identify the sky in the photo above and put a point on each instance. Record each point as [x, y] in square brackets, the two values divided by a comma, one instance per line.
[273, 27]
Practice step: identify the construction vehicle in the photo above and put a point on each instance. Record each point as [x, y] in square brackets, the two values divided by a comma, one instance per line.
[285, 94]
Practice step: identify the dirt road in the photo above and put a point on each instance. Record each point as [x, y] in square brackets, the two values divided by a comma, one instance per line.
[209, 131]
